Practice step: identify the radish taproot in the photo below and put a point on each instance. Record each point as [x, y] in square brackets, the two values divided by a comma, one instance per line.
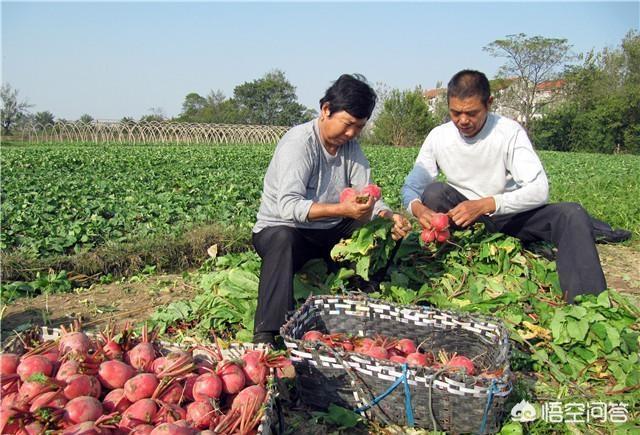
[116, 401]
[113, 373]
[207, 386]
[83, 408]
[461, 362]
[32, 365]
[82, 385]
[8, 364]
[251, 394]
[372, 190]
[347, 193]
[439, 221]
[140, 386]
[199, 414]
[232, 377]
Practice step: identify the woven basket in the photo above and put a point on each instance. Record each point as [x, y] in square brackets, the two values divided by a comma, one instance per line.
[271, 422]
[459, 403]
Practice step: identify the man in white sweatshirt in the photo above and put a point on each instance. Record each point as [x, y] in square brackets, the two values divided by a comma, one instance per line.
[494, 176]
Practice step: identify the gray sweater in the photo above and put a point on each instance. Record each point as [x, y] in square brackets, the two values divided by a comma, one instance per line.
[302, 172]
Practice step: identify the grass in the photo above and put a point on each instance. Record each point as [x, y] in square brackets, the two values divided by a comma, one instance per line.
[112, 209]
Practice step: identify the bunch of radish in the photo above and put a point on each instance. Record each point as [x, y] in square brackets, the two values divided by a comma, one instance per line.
[438, 231]
[361, 196]
[401, 351]
[83, 385]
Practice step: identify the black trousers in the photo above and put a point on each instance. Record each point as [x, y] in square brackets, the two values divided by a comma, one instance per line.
[567, 225]
[284, 250]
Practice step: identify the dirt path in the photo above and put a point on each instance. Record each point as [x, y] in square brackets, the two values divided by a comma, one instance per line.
[136, 298]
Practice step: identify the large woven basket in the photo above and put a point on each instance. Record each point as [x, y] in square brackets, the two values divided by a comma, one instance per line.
[455, 402]
[271, 422]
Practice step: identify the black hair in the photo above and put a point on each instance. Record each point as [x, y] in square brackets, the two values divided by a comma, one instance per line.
[469, 83]
[352, 94]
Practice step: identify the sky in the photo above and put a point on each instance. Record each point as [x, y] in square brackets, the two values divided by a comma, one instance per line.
[116, 59]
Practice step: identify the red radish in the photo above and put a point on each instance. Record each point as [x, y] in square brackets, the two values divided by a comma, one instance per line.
[116, 401]
[347, 193]
[141, 356]
[142, 412]
[67, 369]
[82, 385]
[74, 342]
[462, 362]
[313, 335]
[406, 346]
[32, 365]
[442, 236]
[377, 352]
[372, 190]
[169, 413]
[172, 429]
[8, 364]
[439, 221]
[54, 356]
[248, 395]
[428, 235]
[417, 359]
[207, 386]
[398, 359]
[232, 377]
[140, 386]
[364, 344]
[255, 371]
[173, 394]
[8, 400]
[189, 382]
[114, 373]
[83, 408]
[199, 414]
[9, 421]
[111, 348]
[84, 428]
[34, 428]
[142, 429]
[50, 399]
[159, 364]
[30, 389]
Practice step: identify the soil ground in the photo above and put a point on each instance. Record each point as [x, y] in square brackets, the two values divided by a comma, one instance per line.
[137, 297]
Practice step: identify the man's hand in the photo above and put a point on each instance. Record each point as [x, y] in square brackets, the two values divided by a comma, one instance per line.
[357, 210]
[422, 213]
[401, 225]
[467, 212]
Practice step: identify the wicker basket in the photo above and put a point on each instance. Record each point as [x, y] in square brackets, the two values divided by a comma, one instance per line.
[271, 422]
[455, 402]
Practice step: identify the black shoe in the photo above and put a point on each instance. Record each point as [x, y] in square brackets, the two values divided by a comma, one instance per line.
[264, 338]
[542, 249]
[613, 236]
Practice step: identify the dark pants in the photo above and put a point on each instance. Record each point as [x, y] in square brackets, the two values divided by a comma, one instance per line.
[567, 225]
[284, 250]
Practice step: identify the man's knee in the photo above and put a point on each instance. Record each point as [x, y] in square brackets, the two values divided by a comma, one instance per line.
[436, 195]
[574, 214]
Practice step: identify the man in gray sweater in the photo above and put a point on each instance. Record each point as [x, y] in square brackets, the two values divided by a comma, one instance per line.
[300, 215]
[494, 176]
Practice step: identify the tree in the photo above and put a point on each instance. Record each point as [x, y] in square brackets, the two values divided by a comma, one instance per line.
[156, 114]
[270, 100]
[531, 61]
[86, 119]
[405, 119]
[601, 112]
[43, 118]
[12, 110]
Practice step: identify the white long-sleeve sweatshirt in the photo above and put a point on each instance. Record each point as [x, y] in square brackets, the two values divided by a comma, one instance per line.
[498, 162]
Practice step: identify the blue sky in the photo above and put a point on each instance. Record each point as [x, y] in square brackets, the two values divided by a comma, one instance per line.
[112, 59]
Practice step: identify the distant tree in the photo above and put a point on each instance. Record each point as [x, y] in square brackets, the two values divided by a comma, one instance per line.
[155, 114]
[601, 112]
[43, 118]
[405, 119]
[531, 61]
[193, 105]
[12, 110]
[127, 120]
[86, 119]
[270, 100]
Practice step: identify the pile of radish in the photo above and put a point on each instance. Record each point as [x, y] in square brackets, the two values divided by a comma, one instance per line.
[363, 195]
[81, 385]
[438, 231]
[397, 350]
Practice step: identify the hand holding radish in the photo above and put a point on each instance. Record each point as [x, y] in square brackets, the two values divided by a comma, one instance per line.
[467, 212]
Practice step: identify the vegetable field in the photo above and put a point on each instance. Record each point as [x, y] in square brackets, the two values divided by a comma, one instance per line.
[69, 200]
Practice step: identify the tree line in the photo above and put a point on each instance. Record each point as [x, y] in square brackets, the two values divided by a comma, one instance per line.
[593, 106]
